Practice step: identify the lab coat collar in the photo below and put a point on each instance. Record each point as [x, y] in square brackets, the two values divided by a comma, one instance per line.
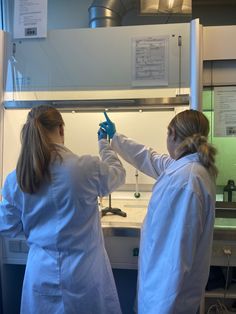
[183, 161]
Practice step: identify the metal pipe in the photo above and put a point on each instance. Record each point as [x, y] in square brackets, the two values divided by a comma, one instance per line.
[105, 13]
[196, 65]
[1, 144]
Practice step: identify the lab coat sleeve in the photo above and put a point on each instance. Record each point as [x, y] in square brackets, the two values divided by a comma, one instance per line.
[10, 215]
[111, 171]
[175, 238]
[141, 157]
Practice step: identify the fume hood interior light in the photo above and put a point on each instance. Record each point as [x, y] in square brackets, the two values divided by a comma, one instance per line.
[170, 6]
[111, 105]
[120, 110]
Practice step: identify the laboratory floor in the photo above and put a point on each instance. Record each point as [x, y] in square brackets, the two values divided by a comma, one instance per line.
[125, 279]
[126, 283]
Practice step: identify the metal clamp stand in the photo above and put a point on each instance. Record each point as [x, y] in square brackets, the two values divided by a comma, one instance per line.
[109, 209]
[114, 211]
[136, 193]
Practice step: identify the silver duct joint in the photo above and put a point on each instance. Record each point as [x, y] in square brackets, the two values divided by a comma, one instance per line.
[105, 13]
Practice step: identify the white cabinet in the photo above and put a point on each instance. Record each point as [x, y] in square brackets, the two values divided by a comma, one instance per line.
[223, 254]
[123, 252]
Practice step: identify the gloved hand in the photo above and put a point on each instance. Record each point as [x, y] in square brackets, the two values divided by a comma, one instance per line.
[108, 126]
[102, 134]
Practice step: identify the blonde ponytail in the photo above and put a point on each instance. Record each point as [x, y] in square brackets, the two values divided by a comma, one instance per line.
[191, 129]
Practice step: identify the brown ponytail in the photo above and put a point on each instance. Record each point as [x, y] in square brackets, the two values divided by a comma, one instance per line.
[191, 129]
[36, 149]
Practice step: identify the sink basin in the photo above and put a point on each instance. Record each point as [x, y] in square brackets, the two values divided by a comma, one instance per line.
[121, 232]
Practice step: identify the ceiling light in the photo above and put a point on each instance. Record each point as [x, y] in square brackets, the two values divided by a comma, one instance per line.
[165, 6]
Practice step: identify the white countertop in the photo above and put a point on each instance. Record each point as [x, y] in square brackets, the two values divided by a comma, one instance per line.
[136, 208]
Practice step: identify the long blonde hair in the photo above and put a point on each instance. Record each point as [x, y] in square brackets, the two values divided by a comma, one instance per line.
[191, 129]
[36, 148]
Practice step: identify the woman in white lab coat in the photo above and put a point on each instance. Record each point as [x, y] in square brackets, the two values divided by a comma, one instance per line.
[52, 198]
[177, 232]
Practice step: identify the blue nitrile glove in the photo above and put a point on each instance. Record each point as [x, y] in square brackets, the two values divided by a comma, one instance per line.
[102, 134]
[109, 126]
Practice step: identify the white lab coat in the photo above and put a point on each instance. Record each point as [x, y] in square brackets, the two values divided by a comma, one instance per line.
[177, 232]
[67, 270]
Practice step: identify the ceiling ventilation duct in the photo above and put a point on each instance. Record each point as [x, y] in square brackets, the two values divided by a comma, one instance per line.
[105, 13]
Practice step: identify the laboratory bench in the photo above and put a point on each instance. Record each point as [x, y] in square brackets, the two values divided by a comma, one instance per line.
[123, 253]
[122, 234]
[223, 255]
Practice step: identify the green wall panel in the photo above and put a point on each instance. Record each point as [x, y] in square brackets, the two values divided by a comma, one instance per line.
[226, 146]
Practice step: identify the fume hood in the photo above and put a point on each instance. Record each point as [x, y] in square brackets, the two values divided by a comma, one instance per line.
[129, 67]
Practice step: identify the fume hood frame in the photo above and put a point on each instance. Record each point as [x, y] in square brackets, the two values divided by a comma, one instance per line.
[116, 105]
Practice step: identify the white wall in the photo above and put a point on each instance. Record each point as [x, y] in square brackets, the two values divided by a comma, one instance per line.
[68, 13]
[64, 14]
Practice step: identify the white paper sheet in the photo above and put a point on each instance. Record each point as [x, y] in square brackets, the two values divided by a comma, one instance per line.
[30, 18]
[225, 111]
[150, 61]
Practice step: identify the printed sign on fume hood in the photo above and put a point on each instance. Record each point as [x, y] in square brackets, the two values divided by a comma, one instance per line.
[225, 111]
[150, 61]
[30, 18]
